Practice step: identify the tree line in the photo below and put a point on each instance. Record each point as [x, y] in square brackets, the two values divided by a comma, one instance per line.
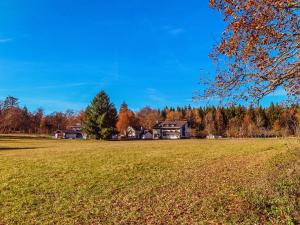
[16, 119]
[233, 121]
[101, 119]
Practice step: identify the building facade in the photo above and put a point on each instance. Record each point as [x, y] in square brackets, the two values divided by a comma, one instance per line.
[171, 130]
[74, 132]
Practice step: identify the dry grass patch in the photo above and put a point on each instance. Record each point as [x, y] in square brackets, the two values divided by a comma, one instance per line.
[156, 182]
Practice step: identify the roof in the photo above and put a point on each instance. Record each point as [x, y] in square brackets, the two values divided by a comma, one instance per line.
[170, 124]
[136, 128]
[68, 132]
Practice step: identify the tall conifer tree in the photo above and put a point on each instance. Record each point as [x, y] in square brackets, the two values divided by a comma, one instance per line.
[101, 117]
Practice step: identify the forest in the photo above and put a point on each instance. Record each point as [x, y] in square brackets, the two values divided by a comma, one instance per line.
[227, 121]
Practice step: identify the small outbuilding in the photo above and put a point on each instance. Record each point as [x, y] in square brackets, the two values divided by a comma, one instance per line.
[147, 136]
[74, 132]
[133, 132]
[69, 134]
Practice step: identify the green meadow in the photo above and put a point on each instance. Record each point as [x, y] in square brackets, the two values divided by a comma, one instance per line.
[230, 181]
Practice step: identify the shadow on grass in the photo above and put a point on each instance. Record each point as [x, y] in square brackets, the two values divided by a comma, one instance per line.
[20, 137]
[18, 148]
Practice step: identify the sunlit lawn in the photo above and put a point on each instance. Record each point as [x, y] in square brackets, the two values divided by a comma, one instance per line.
[45, 181]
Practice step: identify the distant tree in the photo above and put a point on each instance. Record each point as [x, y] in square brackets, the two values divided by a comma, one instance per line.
[126, 118]
[11, 120]
[10, 102]
[37, 120]
[60, 120]
[234, 127]
[261, 119]
[259, 49]
[276, 128]
[163, 113]
[220, 122]
[297, 122]
[54, 121]
[74, 118]
[47, 125]
[230, 112]
[191, 118]
[11, 115]
[26, 121]
[287, 122]
[248, 128]
[80, 118]
[210, 122]
[1, 106]
[101, 117]
[169, 114]
[272, 114]
[173, 115]
[148, 117]
[199, 119]
[292, 119]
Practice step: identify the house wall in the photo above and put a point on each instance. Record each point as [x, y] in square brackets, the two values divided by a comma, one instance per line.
[147, 136]
[171, 134]
[70, 136]
[185, 131]
[156, 133]
[132, 133]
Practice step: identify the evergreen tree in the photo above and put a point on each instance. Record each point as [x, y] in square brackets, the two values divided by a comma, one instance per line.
[273, 114]
[220, 122]
[261, 119]
[10, 102]
[101, 117]
[26, 120]
[163, 113]
[251, 113]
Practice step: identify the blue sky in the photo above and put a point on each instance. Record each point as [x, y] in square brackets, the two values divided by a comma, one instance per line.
[58, 54]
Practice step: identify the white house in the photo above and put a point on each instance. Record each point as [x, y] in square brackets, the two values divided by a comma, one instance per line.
[171, 130]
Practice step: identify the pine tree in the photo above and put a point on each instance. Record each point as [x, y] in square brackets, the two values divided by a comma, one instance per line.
[261, 119]
[101, 117]
[271, 114]
[10, 102]
[220, 122]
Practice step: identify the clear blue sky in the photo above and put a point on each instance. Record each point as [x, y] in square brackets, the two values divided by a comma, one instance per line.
[58, 54]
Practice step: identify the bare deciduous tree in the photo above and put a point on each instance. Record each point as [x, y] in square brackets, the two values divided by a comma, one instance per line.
[259, 50]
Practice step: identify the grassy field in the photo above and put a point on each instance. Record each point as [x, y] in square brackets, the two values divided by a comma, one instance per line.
[46, 181]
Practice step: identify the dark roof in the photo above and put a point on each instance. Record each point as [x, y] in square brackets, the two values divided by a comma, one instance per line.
[76, 126]
[136, 128]
[170, 124]
[68, 131]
